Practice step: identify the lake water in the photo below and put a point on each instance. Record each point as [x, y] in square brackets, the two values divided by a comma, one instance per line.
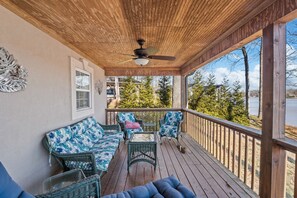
[291, 110]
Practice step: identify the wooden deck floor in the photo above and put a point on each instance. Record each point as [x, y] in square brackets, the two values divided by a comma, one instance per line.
[196, 169]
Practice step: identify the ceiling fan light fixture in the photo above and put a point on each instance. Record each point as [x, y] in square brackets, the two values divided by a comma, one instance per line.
[141, 61]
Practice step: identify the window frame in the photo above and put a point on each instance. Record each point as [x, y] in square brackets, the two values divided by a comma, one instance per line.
[81, 66]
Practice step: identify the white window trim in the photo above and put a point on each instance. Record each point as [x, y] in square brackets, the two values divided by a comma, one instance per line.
[81, 65]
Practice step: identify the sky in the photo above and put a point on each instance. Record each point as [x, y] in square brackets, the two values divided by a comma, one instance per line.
[232, 64]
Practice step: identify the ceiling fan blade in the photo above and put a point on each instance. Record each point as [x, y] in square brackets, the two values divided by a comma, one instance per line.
[127, 54]
[125, 61]
[170, 58]
[151, 50]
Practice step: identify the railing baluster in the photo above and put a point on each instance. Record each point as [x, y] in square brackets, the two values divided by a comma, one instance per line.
[239, 155]
[295, 181]
[234, 153]
[253, 164]
[220, 143]
[229, 149]
[245, 158]
[224, 147]
[217, 142]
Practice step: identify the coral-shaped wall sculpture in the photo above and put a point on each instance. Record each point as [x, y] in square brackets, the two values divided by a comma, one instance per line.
[12, 75]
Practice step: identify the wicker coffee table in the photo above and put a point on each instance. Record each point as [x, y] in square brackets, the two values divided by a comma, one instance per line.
[143, 147]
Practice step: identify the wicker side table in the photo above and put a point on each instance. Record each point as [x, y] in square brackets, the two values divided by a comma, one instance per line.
[142, 147]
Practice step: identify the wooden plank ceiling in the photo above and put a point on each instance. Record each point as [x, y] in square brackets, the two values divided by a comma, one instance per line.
[106, 31]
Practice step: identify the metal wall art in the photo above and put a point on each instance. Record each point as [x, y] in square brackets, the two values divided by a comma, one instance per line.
[12, 75]
[99, 86]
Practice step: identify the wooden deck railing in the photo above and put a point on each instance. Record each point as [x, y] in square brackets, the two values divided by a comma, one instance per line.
[235, 146]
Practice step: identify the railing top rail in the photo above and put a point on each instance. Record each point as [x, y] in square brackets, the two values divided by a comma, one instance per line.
[142, 109]
[287, 144]
[243, 129]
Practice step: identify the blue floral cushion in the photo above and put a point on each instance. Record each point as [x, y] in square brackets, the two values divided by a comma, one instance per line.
[103, 158]
[94, 134]
[168, 130]
[106, 145]
[83, 139]
[173, 118]
[70, 147]
[132, 131]
[59, 136]
[78, 128]
[99, 128]
[123, 117]
[89, 122]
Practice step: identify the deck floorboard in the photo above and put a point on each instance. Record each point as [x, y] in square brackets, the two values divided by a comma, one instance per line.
[196, 169]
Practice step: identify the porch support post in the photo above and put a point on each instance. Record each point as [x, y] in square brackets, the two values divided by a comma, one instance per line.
[184, 99]
[176, 92]
[273, 157]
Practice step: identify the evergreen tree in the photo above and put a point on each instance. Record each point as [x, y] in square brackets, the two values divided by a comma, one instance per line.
[208, 103]
[197, 91]
[146, 93]
[236, 109]
[224, 99]
[128, 94]
[165, 92]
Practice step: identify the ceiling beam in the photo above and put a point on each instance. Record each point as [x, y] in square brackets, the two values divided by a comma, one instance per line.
[39, 25]
[143, 71]
[246, 33]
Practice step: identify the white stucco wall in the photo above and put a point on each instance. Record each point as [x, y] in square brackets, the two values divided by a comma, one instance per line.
[44, 105]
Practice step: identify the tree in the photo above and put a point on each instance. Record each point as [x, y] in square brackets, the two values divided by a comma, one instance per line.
[236, 109]
[128, 94]
[208, 103]
[165, 92]
[224, 99]
[146, 93]
[247, 78]
[197, 90]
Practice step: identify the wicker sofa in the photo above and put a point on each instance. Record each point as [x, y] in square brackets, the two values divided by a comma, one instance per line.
[85, 145]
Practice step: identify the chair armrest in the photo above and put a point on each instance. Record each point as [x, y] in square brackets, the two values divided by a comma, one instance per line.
[77, 157]
[88, 187]
[161, 122]
[115, 127]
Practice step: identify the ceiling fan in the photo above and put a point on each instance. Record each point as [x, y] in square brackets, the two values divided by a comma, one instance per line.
[142, 55]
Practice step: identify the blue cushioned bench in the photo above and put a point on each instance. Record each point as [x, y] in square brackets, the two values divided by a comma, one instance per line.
[168, 187]
[85, 145]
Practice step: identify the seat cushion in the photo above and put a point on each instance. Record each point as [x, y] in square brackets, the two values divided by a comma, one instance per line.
[89, 122]
[168, 130]
[59, 136]
[106, 145]
[78, 128]
[8, 187]
[102, 157]
[129, 132]
[94, 134]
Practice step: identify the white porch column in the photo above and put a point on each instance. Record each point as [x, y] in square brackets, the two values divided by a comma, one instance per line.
[176, 92]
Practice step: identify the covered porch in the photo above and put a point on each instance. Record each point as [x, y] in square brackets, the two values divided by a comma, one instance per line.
[223, 159]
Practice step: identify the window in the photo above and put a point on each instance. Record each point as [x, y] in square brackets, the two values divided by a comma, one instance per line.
[83, 92]
[82, 89]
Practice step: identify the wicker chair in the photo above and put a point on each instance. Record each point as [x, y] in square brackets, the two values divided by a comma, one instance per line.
[170, 125]
[128, 116]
